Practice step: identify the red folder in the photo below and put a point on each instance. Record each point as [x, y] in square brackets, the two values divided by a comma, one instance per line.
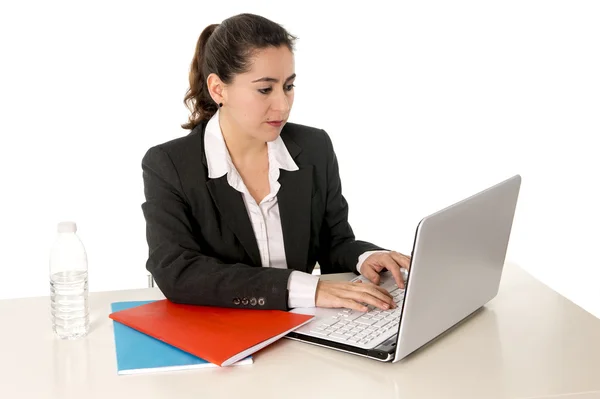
[218, 335]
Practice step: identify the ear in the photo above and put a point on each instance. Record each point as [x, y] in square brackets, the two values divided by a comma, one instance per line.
[215, 87]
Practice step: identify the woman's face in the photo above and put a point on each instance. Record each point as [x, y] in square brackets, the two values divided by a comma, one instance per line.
[258, 103]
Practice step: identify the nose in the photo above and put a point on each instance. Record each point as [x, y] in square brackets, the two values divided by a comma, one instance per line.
[281, 103]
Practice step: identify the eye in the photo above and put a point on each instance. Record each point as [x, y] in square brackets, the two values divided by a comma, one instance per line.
[289, 87]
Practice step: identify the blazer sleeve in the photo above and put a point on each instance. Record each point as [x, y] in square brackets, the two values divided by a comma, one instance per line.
[342, 249]
[182, 271]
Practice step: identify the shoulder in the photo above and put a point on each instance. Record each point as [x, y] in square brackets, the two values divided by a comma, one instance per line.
[304, 133]
[310, 139]
[180, 159]
[192, 139]
[179, 147]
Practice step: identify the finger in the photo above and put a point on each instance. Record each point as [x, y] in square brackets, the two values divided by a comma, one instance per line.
[394, 267]
[369, 287]
[382, 290]
[373, 295]
[387, 297]
[351, 304]
[370, 273]
[401, 259]
[373, 299]
[377, 267]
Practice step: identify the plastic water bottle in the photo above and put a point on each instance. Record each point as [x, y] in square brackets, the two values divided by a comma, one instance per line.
[69, 284]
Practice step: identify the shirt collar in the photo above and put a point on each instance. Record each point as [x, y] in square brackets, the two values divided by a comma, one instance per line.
[219, 161]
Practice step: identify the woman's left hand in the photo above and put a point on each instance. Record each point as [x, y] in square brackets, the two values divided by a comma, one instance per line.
[392, 261]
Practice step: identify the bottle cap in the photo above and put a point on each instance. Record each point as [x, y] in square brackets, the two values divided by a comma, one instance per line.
[67, 227]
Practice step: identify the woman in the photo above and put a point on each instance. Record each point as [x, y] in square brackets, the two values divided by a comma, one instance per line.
[239, 210]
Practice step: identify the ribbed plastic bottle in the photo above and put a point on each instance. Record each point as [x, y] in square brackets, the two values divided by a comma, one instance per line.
[69, 284]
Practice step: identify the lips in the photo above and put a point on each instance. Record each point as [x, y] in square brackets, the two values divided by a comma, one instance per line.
[275, 123]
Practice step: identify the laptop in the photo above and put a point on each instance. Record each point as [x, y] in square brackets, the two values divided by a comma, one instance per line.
[456, 265]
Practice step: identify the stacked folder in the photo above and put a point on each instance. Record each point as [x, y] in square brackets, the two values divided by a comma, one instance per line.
[163, 336]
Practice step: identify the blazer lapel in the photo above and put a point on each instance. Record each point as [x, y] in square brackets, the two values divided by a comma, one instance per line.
[294, 199]
[230, 203]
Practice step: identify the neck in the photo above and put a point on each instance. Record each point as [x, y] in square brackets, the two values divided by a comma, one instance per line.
[242, 148]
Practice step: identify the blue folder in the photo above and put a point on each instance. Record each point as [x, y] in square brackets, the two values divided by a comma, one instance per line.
[140, 353]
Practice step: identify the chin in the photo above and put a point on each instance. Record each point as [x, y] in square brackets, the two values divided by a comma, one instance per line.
[270, 135]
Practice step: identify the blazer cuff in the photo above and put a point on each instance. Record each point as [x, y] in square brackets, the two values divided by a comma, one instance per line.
[302, 288]
[364, 256]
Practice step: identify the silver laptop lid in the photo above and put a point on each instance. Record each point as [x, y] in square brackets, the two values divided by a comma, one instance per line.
[457, 262]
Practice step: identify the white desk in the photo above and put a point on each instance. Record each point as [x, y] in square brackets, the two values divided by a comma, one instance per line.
[527, 342]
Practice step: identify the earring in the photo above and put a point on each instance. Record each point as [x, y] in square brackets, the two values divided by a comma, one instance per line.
[220, 105]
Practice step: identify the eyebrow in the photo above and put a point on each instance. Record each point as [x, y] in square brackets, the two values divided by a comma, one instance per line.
[267, 79]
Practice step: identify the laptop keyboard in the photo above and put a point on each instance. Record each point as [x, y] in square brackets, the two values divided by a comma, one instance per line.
[362, 329]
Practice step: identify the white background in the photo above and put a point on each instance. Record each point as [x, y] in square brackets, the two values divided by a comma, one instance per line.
[426, 102]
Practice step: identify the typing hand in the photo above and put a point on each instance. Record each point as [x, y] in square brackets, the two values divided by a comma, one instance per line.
[392, 261]
[352, 295]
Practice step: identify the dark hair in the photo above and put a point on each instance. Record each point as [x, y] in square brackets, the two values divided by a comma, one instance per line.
[226, 49]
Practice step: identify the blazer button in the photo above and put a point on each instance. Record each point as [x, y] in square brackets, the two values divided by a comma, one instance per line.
[244, 301]
[261, 301]
[253, 301]
[236, 301]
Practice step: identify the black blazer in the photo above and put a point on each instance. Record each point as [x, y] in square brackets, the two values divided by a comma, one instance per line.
[202, 249]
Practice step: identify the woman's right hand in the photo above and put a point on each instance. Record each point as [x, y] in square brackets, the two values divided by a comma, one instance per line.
[352, 295]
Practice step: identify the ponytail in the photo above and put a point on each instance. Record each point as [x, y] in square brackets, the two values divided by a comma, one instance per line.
[197, 98]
